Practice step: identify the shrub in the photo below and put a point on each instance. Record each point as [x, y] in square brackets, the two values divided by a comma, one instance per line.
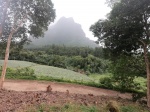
[20, 73]
[125, 70]
[106, 82]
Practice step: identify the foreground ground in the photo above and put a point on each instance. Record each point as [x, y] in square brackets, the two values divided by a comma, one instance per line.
[26, 96]
[24, 85]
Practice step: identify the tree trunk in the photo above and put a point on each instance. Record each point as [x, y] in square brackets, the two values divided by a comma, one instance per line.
[148, 74]
[6, 60]
[7, 52]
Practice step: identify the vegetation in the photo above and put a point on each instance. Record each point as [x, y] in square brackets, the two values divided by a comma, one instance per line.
[70, 107]
[126, 32]
[63, 108]
[42, 71]
[20, 19]
[120, 65]
[32, 71]
[80, 59]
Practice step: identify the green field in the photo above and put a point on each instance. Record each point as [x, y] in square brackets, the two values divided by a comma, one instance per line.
[50, 73]
[54, 72]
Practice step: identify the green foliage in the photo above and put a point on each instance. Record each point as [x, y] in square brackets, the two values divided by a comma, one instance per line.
[26, 17]
[71, 107]
[79, 59]
[107, 82]
[142, 84]
[125, 70]
[20, 73]
[28, 70]
[132, 108]
[124, 27]
[125, 34]
[63, 108]
[54, 72]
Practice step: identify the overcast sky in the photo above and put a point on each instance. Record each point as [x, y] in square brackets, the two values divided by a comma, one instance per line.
[84, 12]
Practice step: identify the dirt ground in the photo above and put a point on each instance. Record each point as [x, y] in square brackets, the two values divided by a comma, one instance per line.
[18, 94]
[24, 85]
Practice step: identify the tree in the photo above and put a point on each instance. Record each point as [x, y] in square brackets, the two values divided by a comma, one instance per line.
[125, 69]
[127, 31]
[21, 18]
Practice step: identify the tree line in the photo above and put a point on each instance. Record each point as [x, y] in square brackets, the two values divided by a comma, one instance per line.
[80, 59]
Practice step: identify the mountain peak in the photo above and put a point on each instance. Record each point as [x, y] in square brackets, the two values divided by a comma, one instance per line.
[64, 19]
[65, 32]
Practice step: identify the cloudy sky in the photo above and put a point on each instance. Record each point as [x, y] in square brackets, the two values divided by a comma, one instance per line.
[84, 12]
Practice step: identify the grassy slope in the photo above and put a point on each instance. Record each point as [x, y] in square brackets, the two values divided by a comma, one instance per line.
[49, 71]
[63, 75]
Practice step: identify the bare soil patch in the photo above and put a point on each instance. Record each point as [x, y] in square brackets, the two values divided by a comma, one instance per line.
[24, 85]
[19, 94]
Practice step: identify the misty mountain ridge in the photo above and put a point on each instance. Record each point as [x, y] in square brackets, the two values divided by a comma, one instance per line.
[64, 32]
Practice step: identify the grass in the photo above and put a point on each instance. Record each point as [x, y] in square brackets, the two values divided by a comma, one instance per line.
[49, 73]
[52, 72]
[133, 108]
[60, 73]
[142, 82]
[72, 107]
[63, 108]
[18, 64]
[97, 77]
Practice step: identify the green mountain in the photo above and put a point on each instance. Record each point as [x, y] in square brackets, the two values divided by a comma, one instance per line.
[64, 32]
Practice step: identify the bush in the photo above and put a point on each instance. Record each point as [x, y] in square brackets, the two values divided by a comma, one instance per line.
[20, 73]
[125, 70]
[107, 82]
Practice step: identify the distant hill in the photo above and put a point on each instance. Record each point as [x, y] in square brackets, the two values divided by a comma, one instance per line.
[64, 32]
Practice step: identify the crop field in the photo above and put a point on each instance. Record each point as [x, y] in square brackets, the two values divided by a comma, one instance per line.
[18, 64]
[54, 72]
[50, 73]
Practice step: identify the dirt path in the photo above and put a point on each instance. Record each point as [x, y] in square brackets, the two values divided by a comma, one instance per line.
[24, 85]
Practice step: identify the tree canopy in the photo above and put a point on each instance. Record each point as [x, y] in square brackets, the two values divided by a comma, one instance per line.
[28, 17]
[126, 26]
[126, 31]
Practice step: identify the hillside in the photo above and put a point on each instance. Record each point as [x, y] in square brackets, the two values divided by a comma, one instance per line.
[64, 32]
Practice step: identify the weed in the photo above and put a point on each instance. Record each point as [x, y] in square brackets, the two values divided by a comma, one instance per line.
[63, 108]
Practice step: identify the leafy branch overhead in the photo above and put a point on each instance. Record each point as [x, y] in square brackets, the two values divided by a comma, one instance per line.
[34, 17]
[127, 23]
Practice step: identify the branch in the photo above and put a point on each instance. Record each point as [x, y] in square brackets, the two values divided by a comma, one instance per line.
[14, 30]
[144, 44]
